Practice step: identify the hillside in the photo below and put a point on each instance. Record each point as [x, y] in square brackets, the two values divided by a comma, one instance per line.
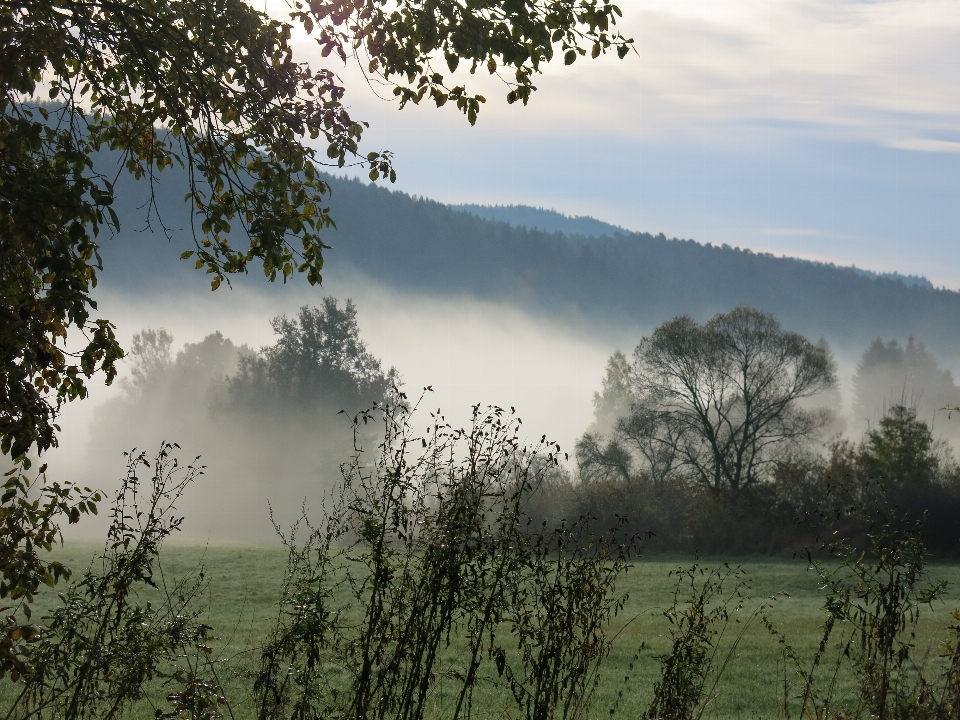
[553, 221]
[542, 219]
[624, 279]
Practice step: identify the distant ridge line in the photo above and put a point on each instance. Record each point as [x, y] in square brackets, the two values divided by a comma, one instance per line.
[549, 220]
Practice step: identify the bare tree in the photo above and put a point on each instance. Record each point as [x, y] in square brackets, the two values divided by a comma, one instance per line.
[718, 399]
[648, 431]
[602, 460]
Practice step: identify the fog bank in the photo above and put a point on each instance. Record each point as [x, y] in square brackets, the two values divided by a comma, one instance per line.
[468, 351]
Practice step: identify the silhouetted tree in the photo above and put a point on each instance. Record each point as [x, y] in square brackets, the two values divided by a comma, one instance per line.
[600, 459]
[900, 450]
[648, 432]
[722, 397]
[890, 375]
[616, 395]
[159, 377]
[318, 359]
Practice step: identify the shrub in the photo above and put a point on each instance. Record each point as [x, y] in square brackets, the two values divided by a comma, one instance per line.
[102, 643]
[874, 599]
[431, 538]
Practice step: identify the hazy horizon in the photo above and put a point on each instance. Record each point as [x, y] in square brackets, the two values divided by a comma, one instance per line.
[814, 129]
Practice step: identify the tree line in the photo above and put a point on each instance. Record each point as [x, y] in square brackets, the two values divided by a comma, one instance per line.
[622, 280]
[716, 436]
[722, 436]
[625, 279]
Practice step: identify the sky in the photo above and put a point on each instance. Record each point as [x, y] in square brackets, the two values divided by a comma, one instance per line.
[825, 129]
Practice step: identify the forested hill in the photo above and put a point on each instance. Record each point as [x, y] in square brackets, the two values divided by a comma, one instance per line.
[633, 278]
[543, 219]
[553, 221]
[625, 279]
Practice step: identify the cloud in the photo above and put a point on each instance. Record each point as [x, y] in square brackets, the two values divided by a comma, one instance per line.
[867, 70]
[927, 145]
[792, 232]
[856, 69]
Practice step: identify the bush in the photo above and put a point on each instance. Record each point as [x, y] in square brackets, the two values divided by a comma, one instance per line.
[431, 538]
[102, 644]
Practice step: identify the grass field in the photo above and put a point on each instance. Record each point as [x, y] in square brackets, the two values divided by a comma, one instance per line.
[242, 589]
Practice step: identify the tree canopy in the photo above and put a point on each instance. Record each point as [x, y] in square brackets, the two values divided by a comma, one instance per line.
[900, 450]
[711, 402]
[318, 359]
[212, 86]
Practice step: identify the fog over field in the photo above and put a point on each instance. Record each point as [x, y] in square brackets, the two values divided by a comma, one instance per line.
[509, 306]
[469, 351]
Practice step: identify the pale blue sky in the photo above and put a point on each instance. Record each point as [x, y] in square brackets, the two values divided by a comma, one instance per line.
[828, 129]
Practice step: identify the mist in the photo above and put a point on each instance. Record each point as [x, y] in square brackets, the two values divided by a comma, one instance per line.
[468, 351]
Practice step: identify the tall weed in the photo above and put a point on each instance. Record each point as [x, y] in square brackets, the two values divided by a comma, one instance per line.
[875, 595]
[96, 652]
[704, 604]
[428, 579]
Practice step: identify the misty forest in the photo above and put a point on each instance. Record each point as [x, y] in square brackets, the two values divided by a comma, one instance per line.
[442, 459]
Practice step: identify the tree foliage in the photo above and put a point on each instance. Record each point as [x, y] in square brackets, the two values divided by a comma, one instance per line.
[318, 359]
[413, 44]
[712, 402]
[901, 450]
[602, 460]
[212, 86]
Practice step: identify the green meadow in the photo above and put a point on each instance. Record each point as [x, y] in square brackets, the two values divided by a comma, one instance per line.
[240, 592]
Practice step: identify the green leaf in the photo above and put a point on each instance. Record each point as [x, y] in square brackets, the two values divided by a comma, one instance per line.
[569, 57]
[186, 254]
